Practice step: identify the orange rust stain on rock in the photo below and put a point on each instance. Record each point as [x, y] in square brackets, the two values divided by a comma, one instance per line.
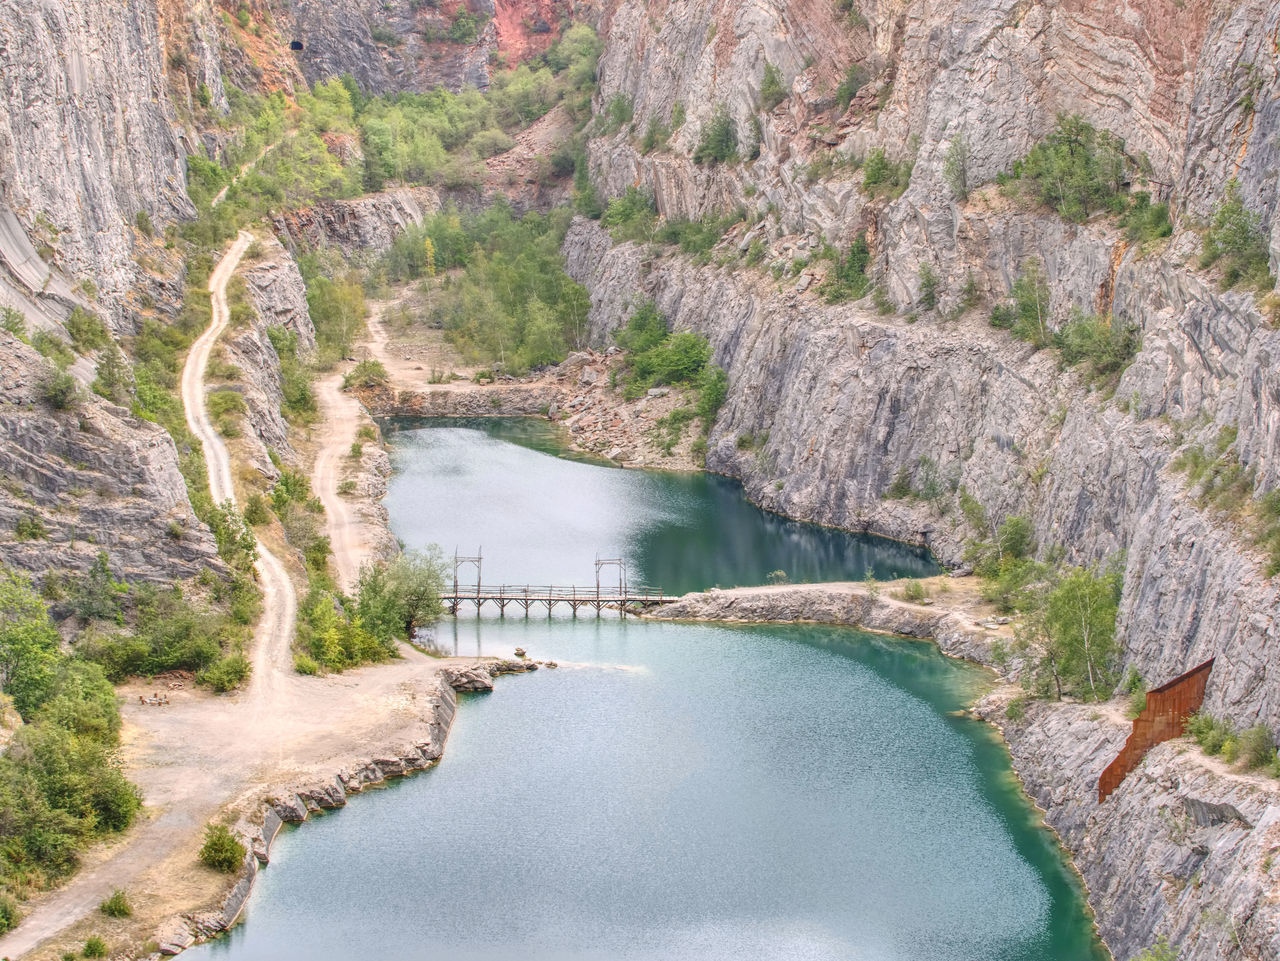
[526, 28]
[1107, 292]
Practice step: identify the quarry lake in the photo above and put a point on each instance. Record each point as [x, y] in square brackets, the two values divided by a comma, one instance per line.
[672, 791]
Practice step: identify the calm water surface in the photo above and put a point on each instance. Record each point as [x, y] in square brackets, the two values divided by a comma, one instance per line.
[672, 791]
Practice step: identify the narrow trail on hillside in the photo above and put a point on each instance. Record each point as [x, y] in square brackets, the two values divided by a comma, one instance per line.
[274, 634]
[340, 416]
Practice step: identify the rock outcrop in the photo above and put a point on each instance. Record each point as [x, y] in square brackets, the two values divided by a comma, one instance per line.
[87, 143]
[279, 297]
[360, 228]
[848, 398]
[1184, 848]
[388, 47]
[86, 479]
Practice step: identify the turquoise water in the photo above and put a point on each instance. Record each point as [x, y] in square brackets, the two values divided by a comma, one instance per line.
[672, 791]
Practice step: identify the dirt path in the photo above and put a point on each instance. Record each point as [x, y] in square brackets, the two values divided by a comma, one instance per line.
[340, 417]
[154, 840]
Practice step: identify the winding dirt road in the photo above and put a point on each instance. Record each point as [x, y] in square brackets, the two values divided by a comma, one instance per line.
[157, 839]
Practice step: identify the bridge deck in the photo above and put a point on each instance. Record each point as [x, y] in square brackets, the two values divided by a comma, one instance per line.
[526, 595]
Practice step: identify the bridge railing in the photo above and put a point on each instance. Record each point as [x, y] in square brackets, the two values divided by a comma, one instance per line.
[517, 592]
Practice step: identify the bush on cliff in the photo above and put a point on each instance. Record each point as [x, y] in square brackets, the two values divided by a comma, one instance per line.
[1236, 242]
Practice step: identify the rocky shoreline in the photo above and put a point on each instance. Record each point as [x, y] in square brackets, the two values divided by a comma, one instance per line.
[296, 803]
[1183, 849]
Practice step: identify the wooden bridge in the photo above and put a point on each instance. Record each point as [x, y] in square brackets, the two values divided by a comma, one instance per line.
[524, 596]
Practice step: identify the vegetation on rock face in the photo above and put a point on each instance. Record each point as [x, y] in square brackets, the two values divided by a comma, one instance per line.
[1067, 614]
[772, 89]
[60, 785]
[1103, 346]
[850, 279]
[719, 140]
[1226, 485]
[1079, 171]
[1254, 749]
[1236, 242]
[391, 600]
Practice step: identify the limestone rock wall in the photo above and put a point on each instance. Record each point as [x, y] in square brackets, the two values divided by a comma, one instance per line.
[1183, 848]
[847, 398]
[279, 297]
[95, 478]
[363, 227]
[87, 139]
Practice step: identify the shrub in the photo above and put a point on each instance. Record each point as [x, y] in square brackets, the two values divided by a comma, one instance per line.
[1162, 950]
[143, 222]
[1104, 345]
[772, 90]
[1145, 221]
[850, 278]
[14, 321]
[1257, 747]
[1076, 170]
[87, 331]
[220, 850]
[116, 906]
[53, 347]
[367, 373]
[882, 177]
[226, 673]
[1236, 240]
[1027, 314]
[9, 913]
[1016, 709]
[1209, 732]
[256, 511]
[347, 488]
[30, 528]
[357, 450]
[929, 284]
[95, 947]
[854, 78]
[719, 141]
[60, 390]
[305, 664]
[914, 591]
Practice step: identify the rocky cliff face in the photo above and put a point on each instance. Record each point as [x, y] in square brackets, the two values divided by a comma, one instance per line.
[279, 298]
[87, 479]
[362, 227]
[87, 142]
[388, 46]
[848, 398]
[1183, 848]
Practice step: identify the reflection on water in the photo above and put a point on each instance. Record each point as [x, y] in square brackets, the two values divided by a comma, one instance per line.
[497, 485]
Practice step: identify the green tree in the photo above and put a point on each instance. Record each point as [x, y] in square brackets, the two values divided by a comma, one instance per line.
[1162, 950]
[719, 141]
[772, 89]
[1236, 239]
[955, 167]
[1080, 626]
[1027, 316]
[28, 643]
[115, 378]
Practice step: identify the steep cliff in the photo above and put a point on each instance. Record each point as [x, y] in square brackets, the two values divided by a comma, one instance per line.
[89, 478]
[848, 397]
[1183, 848]
[87, 143]
[279, 297]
